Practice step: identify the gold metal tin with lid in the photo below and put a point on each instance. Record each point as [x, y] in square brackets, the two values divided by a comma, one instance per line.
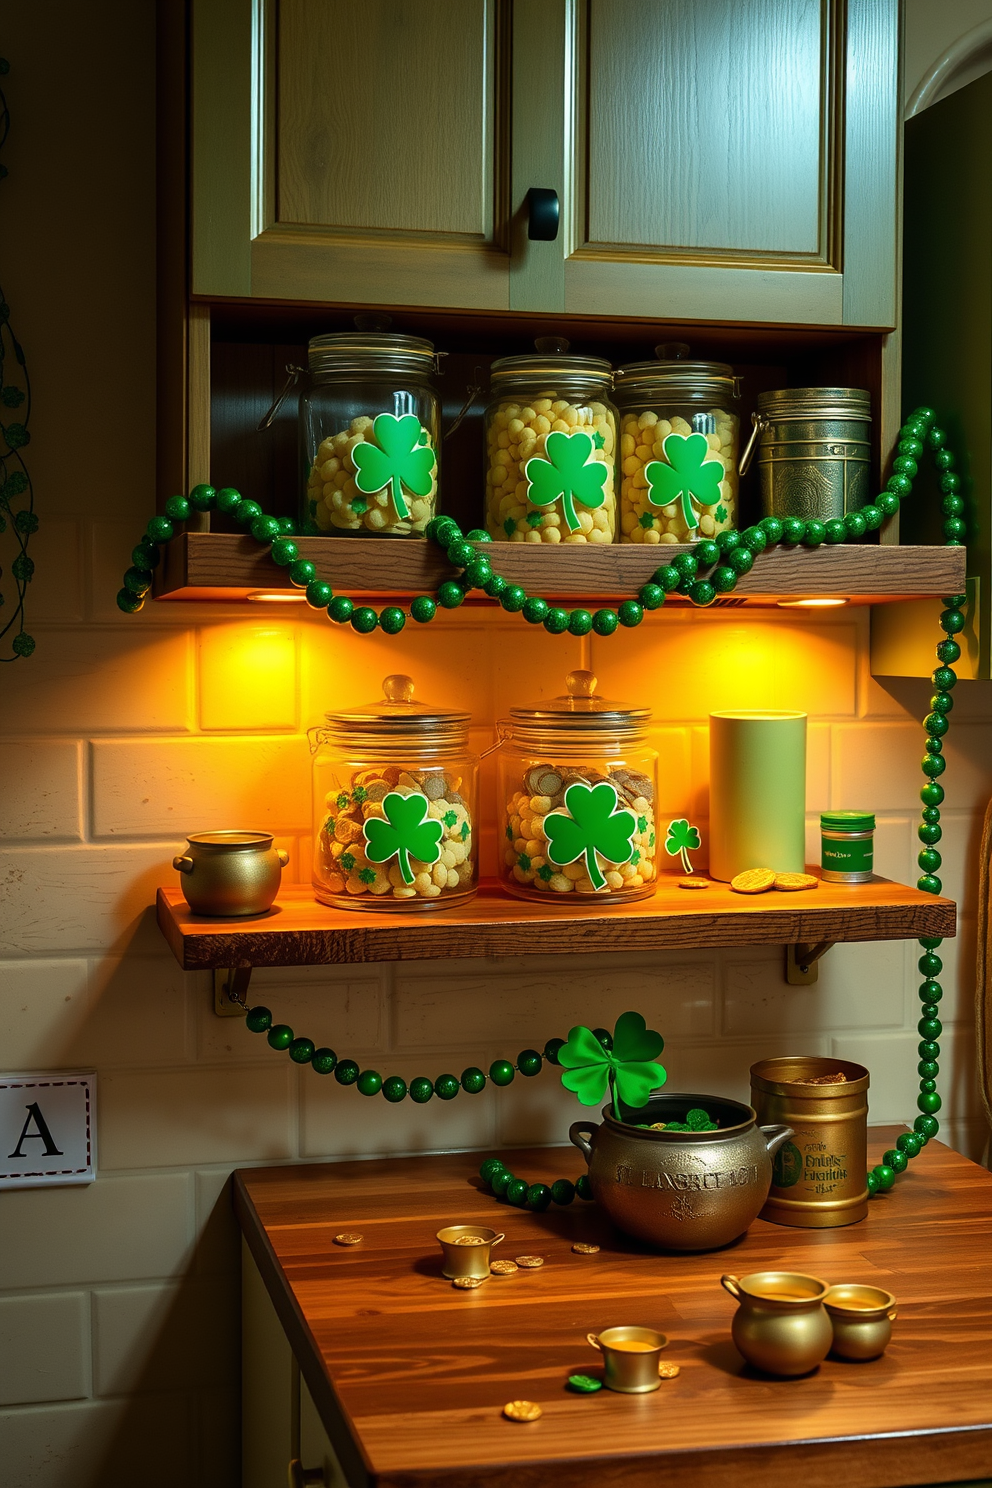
[819, 1175]
[813, 451]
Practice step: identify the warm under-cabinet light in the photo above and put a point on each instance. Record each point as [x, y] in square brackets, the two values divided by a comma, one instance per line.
[276, 596]
[811, 604]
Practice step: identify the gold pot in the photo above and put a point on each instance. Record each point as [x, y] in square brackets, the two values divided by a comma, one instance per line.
[230, 873]
[780, 1325]
[630, 1358]
[862, 1318]
[680, 1190]
[819, 1178]
[466, 1249]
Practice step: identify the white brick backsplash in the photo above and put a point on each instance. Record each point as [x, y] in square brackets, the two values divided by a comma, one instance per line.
[151, 787]
[100, 1444]
[39, 791]
[336, 1121]
[152, 1337]
[78, 898]
[116, 1229]
[37, 999]
[44, 1348]
[156, 1119]
[724, 1068]
[96, 680]
[860, 986]
[891, 1060]
[331, 1005]
[547, 996]
[880, 765]
[247, 676]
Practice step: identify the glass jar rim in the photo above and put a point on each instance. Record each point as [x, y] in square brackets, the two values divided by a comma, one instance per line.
[395, 715]
[579, 709]
[675, 379]
[347, 354]
[582, 372]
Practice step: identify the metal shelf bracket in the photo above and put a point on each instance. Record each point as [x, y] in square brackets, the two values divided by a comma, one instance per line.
[231, 991]
[801, 968]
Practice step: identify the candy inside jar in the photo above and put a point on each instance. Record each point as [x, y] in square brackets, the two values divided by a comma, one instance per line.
[394, 805]
[576, 798]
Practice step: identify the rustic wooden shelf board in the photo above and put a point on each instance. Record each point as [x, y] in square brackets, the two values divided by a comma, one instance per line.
[217, 565]
[409, 1375]
[298, 931]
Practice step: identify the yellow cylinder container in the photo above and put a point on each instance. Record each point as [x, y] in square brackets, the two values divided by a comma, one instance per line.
[757, 792]
[819, 1175]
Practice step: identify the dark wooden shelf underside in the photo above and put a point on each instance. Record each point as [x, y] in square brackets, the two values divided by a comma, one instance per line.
[229, 566]
[298, 931]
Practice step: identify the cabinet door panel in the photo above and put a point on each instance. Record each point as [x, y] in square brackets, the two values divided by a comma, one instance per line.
[707, 127]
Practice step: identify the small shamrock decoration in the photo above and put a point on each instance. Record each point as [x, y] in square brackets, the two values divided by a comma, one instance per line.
[568, 474]
[682, 839]
[359, 795]
[509, 832]
[408, 832]
[399, 458]
[545, 873]
[449, 818]
[720, 515]
[688, 477]
[348, 861]
[628, 1068]
[342, 799]
[594, 825]
[524, 862]
[329, 826]
[367, 876]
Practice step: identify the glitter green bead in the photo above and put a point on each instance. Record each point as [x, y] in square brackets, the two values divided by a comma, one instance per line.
[500, 1182]
[177, 508]
[723, 578]
[284, 552]
[583, 1187]
[319, 594]
[702, 593]
[604, 622]
[667, 577]
[394, 1089]
[258, 1019]
[473, 1080]
[421, 1090]
[392, 620]
[896, 1160]
[563, 1191]
[513, 598]
[815, 534]
[460, 553]
[364, 620]
[630, 613]
[516, 1193]
[686, 565]
[885, 1177]
[551, 1049]
[652, 596]
[871, 1183]
[245, 513]
[740, 560]
[926, 1126]
[529, 1062]
[160, 530]
[347, 1072]
[302, 1050]
[340, 609]
[708, 552]
[423, 609]
[535, 611]
[556, 621]
[264, 529]
[450, 595]
[203, 498]
[280, 1037]
[323, 1061]
[446, 1087]
[490, 1167]
[579, 623]
[494, 585]
[538, 1197]
[302, 572]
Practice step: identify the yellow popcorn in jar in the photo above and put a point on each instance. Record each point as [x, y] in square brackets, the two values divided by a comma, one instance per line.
[388, 487]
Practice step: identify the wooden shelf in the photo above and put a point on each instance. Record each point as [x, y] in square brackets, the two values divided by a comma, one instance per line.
[228, 566]
[298, 931]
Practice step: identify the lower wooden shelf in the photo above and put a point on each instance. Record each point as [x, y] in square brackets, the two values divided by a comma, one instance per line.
[298, 931]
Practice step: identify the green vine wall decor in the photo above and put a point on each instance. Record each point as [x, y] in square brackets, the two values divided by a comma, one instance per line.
[18, 522]
[710, 568]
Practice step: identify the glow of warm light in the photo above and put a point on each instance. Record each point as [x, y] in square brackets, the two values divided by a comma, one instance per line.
[276, 596]
[811, 604]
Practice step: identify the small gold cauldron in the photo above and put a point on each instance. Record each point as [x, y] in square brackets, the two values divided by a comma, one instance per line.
[231, 872]
[862, 1318]
[680, 1190]
[780, 1325]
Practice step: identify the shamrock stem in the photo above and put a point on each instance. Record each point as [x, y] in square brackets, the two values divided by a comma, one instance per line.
[399, 501]
[568, 507]
[593, 869]
[613, 1093]
[685, 860]
[403, 858]
[689, 515]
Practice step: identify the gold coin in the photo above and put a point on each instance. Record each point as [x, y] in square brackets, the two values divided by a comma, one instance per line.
[466, 1283]
[503, 1268]
[790, 882]
[470, 1240]
[753, 881]
[582, 1248]
[530, 1263]
[348, 1239]
[669, 1371]
[522, 1410]
[694, 883]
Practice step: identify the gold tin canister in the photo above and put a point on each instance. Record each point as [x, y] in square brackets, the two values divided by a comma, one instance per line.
[813, 452]
[819, 1176]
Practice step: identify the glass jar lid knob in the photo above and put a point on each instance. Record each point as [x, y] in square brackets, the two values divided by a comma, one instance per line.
[398, 688]
[672, 351]
[581, 684]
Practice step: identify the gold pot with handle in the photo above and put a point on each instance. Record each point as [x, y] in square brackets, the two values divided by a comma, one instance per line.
[230, 873]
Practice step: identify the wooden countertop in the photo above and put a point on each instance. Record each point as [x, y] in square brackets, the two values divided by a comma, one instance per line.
[410, 1375]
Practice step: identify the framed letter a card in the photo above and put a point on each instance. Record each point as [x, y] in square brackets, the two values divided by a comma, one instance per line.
[47, 1129]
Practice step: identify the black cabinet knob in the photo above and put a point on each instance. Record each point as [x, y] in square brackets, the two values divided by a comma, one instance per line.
[543, 214]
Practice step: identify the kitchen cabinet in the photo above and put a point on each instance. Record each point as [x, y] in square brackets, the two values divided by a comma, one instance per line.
[730, 161]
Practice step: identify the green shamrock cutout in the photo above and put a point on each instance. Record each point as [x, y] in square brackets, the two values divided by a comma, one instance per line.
[594, 825]
[407, 832]
[682, 839]
[398, 459]
[629, 1068]
[568, 474]
[689, 477]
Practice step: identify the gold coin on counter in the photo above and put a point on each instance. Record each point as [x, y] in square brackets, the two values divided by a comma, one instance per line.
[694, 883]
[791, 882]
[466, 1283]
[470, 1240]
[753, 881]
[522, 1410]
[581, 1247]
[530, 1263]
[669, 1371]
[348, 1239]
[503, 1268]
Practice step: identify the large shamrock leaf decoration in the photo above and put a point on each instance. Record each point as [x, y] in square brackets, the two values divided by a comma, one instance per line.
[594, 825]
[402, 456]
[569, 474]
[407, 832]
[628, 1068]
[682, 839]
[689, 477]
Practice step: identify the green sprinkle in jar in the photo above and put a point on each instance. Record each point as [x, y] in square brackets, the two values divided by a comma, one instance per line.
[847, 844]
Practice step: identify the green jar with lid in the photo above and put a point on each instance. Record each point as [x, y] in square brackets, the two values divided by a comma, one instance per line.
[847, 845]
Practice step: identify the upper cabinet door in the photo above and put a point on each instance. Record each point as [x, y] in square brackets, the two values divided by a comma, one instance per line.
[729, 160]
[362, 156]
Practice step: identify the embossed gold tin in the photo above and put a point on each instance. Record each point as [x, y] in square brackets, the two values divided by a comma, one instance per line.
[813, 451]
[680, 1190]
[230, 872]
[819, 1175]
[780, 1325]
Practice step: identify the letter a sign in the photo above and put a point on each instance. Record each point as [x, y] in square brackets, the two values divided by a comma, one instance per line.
[47, 1129]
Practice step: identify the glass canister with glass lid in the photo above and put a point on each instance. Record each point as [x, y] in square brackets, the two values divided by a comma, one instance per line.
[679, 439]
[551, 444]
[575, 798]
[369, 428]
[394, 805]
